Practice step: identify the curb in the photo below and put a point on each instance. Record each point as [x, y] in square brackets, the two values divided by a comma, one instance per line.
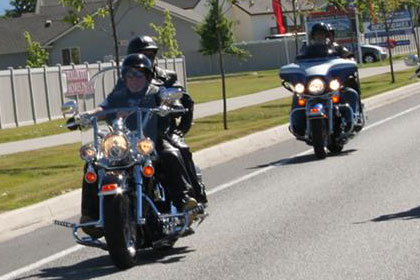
[24, 220]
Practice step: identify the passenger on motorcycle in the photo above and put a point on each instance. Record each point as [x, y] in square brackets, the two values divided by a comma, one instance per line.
[138, 90]
[178, 128]
[322, 44]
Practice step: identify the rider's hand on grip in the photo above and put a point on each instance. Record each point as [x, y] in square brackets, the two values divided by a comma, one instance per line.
[71, 124]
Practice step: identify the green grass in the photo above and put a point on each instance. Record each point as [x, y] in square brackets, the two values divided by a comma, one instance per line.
[32, 131]
[30, 177]
[210, 89]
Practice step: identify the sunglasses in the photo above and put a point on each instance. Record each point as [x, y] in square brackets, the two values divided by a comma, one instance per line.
[134, 74]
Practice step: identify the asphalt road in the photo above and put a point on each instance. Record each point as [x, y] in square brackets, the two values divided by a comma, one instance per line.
[278, 214]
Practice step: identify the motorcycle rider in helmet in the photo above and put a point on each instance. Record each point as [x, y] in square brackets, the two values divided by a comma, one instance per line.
[322, 44]
[167, 78]
[138, 90]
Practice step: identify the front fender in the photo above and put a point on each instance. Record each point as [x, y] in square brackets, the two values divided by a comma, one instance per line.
[114, 182]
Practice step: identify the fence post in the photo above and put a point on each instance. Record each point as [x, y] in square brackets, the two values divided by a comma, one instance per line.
[15, 108]
[103, 80]
[113, 72]
[60, 80]
[166, 63]
[31, 92]
[287, 50]
[184, 70]
[47, 93]
[84, 95]
[77, 95]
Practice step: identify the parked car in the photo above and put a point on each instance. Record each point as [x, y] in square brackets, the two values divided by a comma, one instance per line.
[372, 53]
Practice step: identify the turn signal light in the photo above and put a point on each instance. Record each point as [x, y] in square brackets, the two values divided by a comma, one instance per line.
[91, 177]
[148, 171]
[301, 102]
[335, 99]
[315, 110]
[109, 188]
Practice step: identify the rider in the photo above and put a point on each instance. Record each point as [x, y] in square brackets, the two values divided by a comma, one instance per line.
[322, 43]
[137, 74]
[178, 129]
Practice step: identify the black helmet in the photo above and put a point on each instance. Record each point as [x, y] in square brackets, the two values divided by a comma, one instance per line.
[141, 43]
[139, 62]
[320, 27]
[331, 31]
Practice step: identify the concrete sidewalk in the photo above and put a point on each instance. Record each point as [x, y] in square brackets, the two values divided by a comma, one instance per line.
[201, 110]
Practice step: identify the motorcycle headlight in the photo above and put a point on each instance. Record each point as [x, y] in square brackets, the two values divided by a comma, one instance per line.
[145, 146]
[299, 88]
[335, 85]
[316, 86]
[115, 147]
[87, 152]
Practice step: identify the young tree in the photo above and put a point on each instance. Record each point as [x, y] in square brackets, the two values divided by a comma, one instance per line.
[37, 56]
[88, 21]
[217, 38]
[383, 10]
[20, 7]
[166, 37]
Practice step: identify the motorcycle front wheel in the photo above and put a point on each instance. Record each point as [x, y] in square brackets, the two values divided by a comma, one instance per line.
[319, 138]
[120, 230]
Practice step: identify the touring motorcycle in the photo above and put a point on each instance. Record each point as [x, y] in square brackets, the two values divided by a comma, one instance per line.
[326, 108]
[134, 212]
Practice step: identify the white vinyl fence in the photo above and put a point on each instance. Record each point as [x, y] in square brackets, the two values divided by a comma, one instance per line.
[29, 96]
[398, 50]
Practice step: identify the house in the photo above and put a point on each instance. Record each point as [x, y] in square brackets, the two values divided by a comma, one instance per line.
[255, 21]
[67, 43]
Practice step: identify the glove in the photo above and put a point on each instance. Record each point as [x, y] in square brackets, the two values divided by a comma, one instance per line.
[71, 124]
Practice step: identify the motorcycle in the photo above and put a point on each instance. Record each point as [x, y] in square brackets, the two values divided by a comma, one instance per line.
[134, 212]
[325, 113]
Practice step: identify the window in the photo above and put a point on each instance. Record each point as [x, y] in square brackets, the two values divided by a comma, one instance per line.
[70, 55]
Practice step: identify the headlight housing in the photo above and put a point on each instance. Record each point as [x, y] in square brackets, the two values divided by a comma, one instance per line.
[115, 147]
[87, 152]
[335, 85]
[316, 86]
[299, 88]
[145, 146]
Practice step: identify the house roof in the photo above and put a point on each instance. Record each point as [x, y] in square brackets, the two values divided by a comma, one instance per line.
[183, 4]
[262, 7]
[12, 29]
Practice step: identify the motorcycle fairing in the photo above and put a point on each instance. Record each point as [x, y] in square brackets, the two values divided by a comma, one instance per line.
[329, 68]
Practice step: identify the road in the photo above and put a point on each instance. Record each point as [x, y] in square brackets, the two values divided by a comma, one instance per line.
[201, 110]
[278, 214]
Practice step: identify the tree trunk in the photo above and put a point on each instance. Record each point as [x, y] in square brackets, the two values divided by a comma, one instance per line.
[222, 72]
[391, 64]
[295, 22]
[114, 35]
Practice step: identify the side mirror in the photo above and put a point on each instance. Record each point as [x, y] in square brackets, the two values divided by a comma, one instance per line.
[70, 107]
[171, 95]
[411, 60]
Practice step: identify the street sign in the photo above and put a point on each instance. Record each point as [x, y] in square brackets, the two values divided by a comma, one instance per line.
[399, 24]
[76, 83]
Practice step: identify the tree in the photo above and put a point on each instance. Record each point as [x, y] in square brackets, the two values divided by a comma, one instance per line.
[383, 10]
[20, 7]
[166, 37]
[216, 37]
[88, 21]
[37, 56]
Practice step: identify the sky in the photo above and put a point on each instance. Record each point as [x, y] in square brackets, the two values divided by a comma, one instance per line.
[4, 4]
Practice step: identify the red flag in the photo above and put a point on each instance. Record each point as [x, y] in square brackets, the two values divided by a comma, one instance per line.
[279, 16]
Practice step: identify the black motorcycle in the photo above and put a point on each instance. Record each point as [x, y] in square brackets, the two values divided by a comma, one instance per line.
[134, 212]
[326, 109]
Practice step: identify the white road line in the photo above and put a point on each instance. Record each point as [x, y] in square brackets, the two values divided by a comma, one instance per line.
[40, 263]
[217, 189]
